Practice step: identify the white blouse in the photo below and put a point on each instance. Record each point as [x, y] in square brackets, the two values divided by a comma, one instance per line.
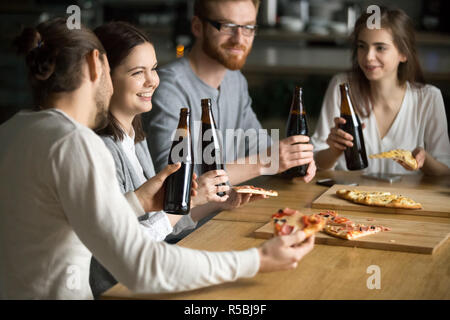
[420, 122]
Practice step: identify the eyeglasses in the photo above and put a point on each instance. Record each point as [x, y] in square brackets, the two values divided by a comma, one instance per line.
[231, 28]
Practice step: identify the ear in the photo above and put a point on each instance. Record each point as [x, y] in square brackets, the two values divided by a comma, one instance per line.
[403, 58]
[94, 63]
[197, 27]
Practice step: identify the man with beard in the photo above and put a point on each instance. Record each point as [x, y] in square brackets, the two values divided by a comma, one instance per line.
[60, 200]
[224, 32]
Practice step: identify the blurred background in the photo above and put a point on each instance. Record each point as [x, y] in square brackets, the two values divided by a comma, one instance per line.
[301, 42]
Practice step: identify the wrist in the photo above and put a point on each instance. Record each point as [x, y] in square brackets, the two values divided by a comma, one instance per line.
[140, 196]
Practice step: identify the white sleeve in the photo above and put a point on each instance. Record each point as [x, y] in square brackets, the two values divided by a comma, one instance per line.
[157, 225]
[436, 138]
[85, 184]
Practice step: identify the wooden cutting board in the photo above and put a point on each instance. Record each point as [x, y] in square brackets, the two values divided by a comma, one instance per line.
[434, 202]
[405, 235]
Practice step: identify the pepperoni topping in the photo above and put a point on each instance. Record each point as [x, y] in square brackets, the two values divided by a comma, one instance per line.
[286, 229]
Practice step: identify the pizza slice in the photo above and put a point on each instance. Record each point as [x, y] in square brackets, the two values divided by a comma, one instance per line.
[398, 154]
[288, 221]
[331, 218]
[351, 232]
[255, 190]
[378, 199]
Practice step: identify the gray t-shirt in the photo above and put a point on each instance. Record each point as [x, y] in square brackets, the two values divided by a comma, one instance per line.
[231, 106]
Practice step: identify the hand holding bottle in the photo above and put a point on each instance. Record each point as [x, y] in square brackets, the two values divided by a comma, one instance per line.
[207, 187]
[338, 139]
[151, 193]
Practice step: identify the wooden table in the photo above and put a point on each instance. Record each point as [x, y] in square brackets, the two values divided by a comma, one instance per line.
[328, 272]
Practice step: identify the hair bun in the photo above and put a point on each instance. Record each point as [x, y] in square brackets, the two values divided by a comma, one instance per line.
[41, 62]
[27, 40]
[39, 58]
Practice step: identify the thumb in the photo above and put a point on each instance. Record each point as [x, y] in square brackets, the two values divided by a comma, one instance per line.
[294, 238]
[168, 170]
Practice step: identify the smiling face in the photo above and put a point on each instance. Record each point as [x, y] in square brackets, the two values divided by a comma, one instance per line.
[230, 50]
[135, 81]
[378, 57]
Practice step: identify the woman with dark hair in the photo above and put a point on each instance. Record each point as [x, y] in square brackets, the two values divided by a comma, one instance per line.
[399, 111]
[133, 64]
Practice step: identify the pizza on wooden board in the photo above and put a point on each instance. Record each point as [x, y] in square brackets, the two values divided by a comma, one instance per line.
[344, 228]
[398, 154]
[255, 190]
[378, 199]
[288, 221]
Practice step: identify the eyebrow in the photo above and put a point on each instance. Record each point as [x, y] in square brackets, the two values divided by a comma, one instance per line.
[253, 22]
[138, 67]
[376, 43]
[142, 67]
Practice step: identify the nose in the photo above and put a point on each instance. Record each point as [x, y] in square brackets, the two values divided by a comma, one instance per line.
[237, 36]
[151, 79]
[370, 54]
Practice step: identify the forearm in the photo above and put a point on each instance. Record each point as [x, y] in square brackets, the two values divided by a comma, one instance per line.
[239, 173]
[326, 159]
[203, 211]
[433, 167]
[174, 218]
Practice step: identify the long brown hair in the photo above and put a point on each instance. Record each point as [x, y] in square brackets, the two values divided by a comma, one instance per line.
[402, 30]
[54, 55]
[119, 38]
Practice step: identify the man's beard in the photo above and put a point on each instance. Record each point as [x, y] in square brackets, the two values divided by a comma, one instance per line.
[102, 99]
[230, 62]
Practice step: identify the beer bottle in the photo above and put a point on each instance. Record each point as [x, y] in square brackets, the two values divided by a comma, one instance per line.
[211, 147]
[177, 197]
[297, 125]
[355, 157]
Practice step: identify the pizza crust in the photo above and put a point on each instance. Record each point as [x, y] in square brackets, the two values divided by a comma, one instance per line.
[255, 190]
[398, 154]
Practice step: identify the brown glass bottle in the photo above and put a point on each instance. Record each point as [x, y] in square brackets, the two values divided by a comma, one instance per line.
[355, 157]
[177, 197]
[297, 125]
[211, 147]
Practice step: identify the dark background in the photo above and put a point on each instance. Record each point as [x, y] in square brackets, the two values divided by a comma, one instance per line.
[280, 57]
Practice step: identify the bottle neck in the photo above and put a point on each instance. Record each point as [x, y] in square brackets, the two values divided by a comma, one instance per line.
[184, 119]
[297, 103]
[346, 104]
[206, 114]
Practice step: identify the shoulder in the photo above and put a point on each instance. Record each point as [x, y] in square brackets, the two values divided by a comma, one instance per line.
[426, 96]
[110, 142]
[425, 90]
[337, 79]
[175, 68]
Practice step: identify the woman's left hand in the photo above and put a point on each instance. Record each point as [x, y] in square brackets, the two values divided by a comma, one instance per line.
[420, 155]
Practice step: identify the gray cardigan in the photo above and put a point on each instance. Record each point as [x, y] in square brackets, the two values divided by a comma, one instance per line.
[100, 279]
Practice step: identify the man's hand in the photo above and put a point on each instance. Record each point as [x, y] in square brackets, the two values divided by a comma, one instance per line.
[208, 187]
[295, 151]
[284, 252]
[151, 193]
